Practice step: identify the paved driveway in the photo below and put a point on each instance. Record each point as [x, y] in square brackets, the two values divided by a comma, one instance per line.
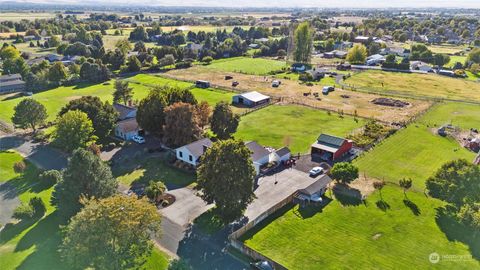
[8, 202]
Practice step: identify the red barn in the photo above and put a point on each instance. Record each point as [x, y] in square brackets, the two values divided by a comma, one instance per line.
[330, 147]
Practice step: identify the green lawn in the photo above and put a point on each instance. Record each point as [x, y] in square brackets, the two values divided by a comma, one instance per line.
[343, 236]
[255, 66]
[151, 169]
[275, 125]
[425, 85]
[33, 244]
[417, 152]
[56, 98]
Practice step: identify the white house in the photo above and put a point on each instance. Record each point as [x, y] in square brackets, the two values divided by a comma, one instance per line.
[191, 153]
[126, 129]
[260, 156]
[375, 59]
[419, 65]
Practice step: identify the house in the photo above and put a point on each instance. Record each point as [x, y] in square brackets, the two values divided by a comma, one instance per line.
[260, 156]
[402, 52]
[314, 192]
[422, 66]
[298, 67]
[126, 129]
[280, 155]
[318, 72]
[254, 46]
[124, 111]
[361, 39]
[53, 57]
[250, 99]
[375, 59]
[329, 147]
[11, 83]
[329, 55]
[192, 153]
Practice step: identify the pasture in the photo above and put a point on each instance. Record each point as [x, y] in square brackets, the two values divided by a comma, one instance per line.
[55, 99]
[341, 234]
[416, 152]
[295, 126]
[33, 244]
[421, 85]
[253, 66]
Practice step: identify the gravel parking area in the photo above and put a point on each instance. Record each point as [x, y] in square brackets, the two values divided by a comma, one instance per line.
[306, 162]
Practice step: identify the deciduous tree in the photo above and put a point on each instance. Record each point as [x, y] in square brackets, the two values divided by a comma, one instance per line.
[344, 172]
[86, 176]
[29, 113]
[112, 233]
[303, 40]
[225, 177]
[150, 115]
[203, 112]
[181, 125]
[224, 122]
[357, 54]
[123, 93]
[74, 129]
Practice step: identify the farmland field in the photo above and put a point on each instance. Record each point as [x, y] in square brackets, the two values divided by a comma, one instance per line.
[56, 98]
[300, 126]
[425, 85]
[254, 66]
[33, 244]
[361, 236]
[416, 152]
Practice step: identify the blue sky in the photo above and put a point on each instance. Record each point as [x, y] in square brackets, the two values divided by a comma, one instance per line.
[284, 3]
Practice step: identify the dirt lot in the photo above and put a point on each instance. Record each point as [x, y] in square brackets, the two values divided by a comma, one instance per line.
[293, 92]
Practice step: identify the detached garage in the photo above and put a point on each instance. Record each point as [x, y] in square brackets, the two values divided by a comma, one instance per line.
[330, 147]
[250, 99]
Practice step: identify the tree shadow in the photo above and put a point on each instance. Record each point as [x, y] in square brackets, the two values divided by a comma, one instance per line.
[310, 210]
[11, 230]
[382, 205]
[48, 226]
[455, 231]
[413, 207]
[346, 195]
[10, 142]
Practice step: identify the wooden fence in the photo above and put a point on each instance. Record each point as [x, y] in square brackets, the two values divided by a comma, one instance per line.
[240, 246]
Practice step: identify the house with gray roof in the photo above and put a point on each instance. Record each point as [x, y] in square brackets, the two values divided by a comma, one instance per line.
[11, 83]
[314, 192]
[260, 155]
[192, 153]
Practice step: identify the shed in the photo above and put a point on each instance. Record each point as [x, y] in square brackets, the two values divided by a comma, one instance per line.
[250, 99]
[330, 147]
[314, 191]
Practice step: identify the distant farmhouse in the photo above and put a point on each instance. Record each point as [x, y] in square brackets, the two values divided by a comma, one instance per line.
[11, 83]
[250, 99]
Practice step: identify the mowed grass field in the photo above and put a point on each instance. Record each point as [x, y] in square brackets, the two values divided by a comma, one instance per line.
[342, 236]
[417, 151]
[34, 244]
[298, 126]
[424, 85]
[245, 65]
[56, 98]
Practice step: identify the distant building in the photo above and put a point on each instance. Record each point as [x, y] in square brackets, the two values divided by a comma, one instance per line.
[11, 83]
[250, 99]
[361, 39]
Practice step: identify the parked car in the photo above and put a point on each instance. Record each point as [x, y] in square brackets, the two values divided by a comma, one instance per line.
[138, 139]
[262, 265]
[316, 171]
[325, 90]
[276, 83]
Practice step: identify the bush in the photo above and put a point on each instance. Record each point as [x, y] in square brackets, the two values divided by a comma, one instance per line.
[38, 206]
[19, 167]
[305, 77]
[23, 211]
[183, 64]
[50, 177]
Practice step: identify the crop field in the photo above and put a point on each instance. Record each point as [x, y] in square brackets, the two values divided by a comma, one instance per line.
[295, 126]
[56, 98]
[422, 85]
[33, 244]
[416, 152]
[362, 236]
[254, 66]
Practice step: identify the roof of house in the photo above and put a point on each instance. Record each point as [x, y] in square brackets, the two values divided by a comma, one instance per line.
[128, 125]
[282, 151]
[123, 110]
[254, 96]
[197, 148]
[258, 151]
[10, 77]
[316, 186]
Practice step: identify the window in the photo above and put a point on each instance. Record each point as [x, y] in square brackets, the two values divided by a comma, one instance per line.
[190, 157]
[180, 154]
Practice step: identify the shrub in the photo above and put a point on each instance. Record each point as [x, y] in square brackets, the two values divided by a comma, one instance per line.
[23, 211]
[19, 167]
[305, 77]
[38, 206]
[95, 149]
[50, 177]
